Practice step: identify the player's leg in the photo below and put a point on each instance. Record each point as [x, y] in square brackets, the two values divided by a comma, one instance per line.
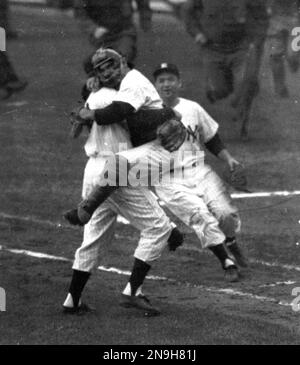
[221, 206]
[278, 48]
[219, 81]
[9, 81]
[98, 233]
[192, 210]
[141, 208]
[138, 166]
[114, 175]
[246, 66]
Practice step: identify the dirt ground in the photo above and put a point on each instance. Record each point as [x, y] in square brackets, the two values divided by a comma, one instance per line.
[41, 175]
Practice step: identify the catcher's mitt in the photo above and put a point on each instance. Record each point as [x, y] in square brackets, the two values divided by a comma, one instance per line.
[77, 123]
[238, 178]
[171, 134]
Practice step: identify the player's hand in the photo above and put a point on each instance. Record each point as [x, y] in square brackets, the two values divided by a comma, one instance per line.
[93, 84]
[201, 39]
[99, 32]
[232, 163]
[86, 114]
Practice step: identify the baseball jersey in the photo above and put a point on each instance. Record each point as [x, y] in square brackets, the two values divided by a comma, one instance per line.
[201, 127]
[105, 139]
[136, 90]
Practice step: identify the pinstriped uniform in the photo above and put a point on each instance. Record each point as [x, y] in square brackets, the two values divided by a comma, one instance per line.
[139, 206]
[199, 197]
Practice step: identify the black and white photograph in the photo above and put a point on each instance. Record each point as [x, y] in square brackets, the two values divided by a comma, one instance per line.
[149, 175]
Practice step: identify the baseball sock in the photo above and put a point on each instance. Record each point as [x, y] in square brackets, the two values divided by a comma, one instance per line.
[220, 252]
[79, 279]
[138, 274]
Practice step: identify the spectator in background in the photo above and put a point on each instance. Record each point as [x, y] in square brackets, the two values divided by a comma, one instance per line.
[231, 36]
[109, 23]
[285, 15]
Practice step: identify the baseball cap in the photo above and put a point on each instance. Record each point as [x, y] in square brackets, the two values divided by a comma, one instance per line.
[166, 67]
[103, 55]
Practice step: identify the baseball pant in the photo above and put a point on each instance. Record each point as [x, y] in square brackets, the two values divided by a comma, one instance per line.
[138, 206]
[204, 205]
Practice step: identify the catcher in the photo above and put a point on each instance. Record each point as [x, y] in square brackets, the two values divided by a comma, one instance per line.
[138, 102]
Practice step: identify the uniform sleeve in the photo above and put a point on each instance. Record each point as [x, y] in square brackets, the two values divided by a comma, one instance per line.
[208, 126]
[133, 95]
[191, 12]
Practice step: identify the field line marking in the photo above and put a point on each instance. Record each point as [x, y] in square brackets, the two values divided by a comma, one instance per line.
[265, 194]
[252, 261]
[278, 283]
[212, 289]
[121, 220]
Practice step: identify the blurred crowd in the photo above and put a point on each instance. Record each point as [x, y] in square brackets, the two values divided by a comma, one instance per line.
[230, 35]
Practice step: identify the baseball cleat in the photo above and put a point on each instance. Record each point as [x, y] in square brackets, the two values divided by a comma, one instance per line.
[175, 240]
[72, 217]
[231, 274]
[139, 302]
[78, 310]
[238, 255]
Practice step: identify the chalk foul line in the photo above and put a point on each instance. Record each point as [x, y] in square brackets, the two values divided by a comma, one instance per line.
[228, 291]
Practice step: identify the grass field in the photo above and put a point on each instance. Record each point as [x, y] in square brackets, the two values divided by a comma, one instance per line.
[40, 176]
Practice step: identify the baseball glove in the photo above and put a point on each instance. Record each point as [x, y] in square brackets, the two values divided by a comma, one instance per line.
[77, 123]
[238, 178]
[171, 134]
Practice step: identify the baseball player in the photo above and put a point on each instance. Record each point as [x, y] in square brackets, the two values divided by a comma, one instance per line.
[150, 154]
[136, 97]
[200, 198]
[138, 205]
[285, 15]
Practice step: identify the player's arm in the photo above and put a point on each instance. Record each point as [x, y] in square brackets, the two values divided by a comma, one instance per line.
[211, 138]
[118, 111]
[217, 148]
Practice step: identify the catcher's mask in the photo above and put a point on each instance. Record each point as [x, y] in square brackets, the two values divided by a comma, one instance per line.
[107, 65]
